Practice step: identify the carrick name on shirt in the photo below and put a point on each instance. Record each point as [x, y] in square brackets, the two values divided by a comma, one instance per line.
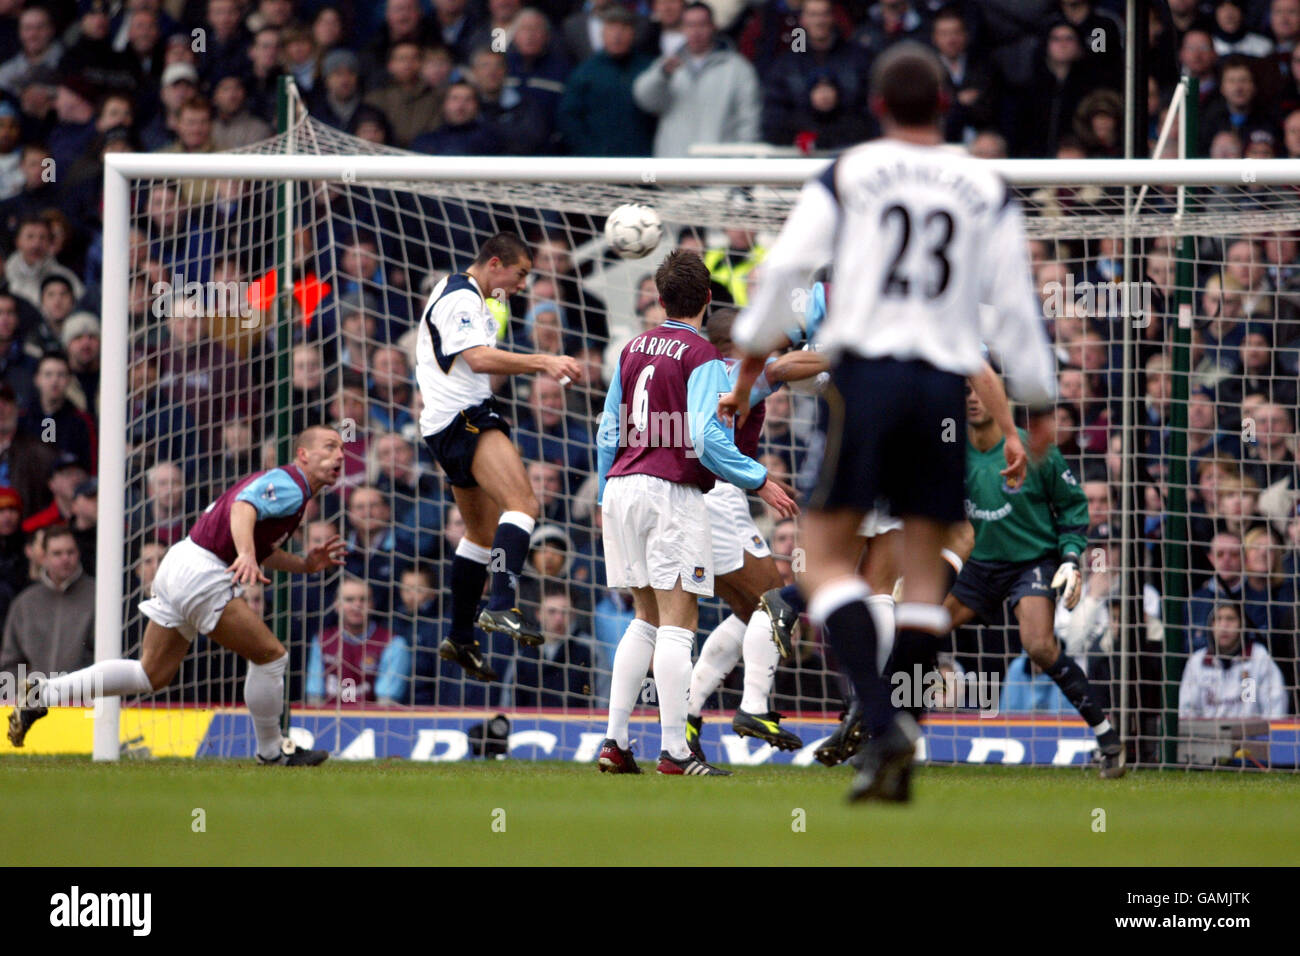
[653, 345]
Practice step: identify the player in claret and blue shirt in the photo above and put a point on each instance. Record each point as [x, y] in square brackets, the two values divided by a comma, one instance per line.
[660, 446]
[198, 589]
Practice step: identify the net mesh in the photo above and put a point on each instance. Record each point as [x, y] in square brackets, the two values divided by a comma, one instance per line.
[213, 386]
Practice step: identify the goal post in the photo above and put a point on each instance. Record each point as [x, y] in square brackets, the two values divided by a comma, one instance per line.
[1078, 210]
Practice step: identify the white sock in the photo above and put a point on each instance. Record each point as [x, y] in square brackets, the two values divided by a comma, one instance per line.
[121, 678]
[519, 520]
[761, 658]
[881, 607]
[672, 663]
[636, 649]
[924, 617]
[264, 697]
[719, 655]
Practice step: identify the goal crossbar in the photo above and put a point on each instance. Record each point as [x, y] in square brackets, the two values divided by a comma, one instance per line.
[737, 172]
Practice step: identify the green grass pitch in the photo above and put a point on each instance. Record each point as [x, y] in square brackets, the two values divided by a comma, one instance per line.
[71, 811]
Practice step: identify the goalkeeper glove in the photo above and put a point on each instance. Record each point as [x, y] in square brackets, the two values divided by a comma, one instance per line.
[1067, 576]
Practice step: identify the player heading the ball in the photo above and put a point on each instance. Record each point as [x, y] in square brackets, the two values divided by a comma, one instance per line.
[198, 588]
[462, 423]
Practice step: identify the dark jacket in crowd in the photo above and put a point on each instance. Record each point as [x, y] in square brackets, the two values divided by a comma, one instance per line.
[598, 116]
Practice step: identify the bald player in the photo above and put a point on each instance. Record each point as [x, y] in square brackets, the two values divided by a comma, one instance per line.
[198, 590]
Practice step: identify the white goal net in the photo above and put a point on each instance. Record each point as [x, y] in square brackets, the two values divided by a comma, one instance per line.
[255, 294]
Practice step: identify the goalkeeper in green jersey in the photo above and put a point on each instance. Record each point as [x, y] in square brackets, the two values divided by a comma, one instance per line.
[1020, 536]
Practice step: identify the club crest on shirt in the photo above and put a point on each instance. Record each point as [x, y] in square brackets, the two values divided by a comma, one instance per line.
[698, 574]
[757, 539]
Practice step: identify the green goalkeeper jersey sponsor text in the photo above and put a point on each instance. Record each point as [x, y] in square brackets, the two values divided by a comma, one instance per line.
[1047, 517]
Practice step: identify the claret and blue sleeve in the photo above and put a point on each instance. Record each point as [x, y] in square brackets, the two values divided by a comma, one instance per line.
[713, 441]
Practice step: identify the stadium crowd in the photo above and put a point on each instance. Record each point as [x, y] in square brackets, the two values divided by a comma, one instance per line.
[1030, 78]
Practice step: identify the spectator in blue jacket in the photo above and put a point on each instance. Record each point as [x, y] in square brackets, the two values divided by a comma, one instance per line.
[559, 672]
[1029, 690]
[418, 617]
[463, 131]
[1269, 599]
[71, 136]
[547, 432]
[598, 115]
[390, 389]
[523, 126]
[338, 97]
[823, 121]
[1224, 585]
[417, 496]
[825, 53]
[537, 64]
[613, 613]
[227, 39]
[377, 551]
[889, 22]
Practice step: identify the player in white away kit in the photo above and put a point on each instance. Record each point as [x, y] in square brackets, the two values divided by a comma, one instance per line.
[660, 444]
[919, 238]
[880, 534]
[456, 356]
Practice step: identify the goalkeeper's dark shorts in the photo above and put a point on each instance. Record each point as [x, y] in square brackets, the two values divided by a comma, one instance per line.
[453, 447]
[983, 585]
[895, 432]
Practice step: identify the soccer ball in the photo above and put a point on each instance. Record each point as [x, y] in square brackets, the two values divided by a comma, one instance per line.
[633, 230]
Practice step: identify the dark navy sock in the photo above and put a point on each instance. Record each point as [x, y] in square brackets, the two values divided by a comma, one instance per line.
[509, 551]
[791, 595]
[915, 655]
[1074, 685]
[852, 635]
[467, 580]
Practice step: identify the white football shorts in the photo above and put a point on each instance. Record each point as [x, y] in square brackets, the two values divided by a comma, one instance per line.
[733, 528]
[655, 533]
[190, 590]
[878, 521]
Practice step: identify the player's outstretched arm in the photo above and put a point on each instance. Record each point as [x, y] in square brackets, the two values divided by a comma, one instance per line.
[332, 553]
[779, 496]
[243, 516]
[806, 242]
[1070, 509]
[733, 406]
[1013, 327]
[494, 361]
[714, 445]
[989, 388]
[796, 366]
[1042, 431]
[609, 432]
